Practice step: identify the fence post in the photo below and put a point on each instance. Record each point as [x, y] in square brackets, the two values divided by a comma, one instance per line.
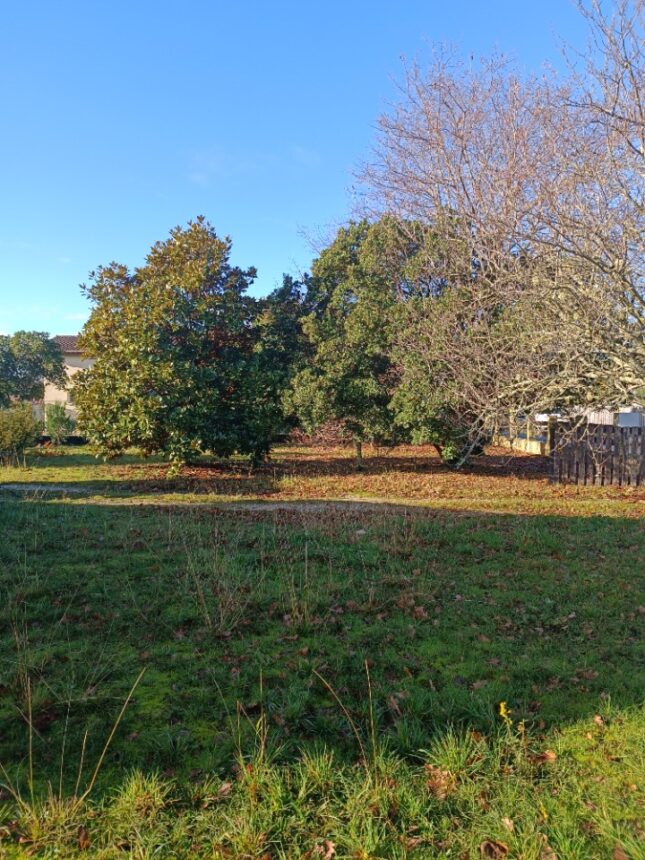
[551, 447]
[602, 455]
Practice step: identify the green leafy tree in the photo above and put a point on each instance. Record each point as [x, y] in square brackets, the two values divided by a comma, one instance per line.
[353, 292]
[282, 346]
[176, 366]
[427, 402]
[391, 312]
[27, 359]
[58, 424]
[19, 429]
[467, 350]
[435, 328]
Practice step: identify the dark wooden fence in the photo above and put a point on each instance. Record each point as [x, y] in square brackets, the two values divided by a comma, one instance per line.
[598, 454]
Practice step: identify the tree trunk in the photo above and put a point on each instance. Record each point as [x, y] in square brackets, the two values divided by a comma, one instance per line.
[358, 447]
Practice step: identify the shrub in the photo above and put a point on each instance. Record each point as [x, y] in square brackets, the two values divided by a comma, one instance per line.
[19, 429]
[58, 424]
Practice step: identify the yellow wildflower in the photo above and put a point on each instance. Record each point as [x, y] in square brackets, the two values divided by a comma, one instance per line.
[505, 713]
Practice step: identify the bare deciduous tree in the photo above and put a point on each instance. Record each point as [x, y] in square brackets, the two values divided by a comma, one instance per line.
[536, 187]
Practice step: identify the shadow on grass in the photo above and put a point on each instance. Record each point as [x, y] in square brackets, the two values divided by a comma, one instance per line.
[290, 463]
[240, 613]
[75, 457]
[405, 471]
[498, 464]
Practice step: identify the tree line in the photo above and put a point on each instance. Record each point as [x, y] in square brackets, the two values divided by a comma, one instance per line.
[495, 268]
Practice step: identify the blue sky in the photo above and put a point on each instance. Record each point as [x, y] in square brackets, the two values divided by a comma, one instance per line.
[121, 120]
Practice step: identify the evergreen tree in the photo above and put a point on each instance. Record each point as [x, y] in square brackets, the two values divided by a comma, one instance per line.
[176, 367]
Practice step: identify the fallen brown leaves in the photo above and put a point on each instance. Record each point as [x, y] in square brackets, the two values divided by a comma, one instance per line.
[326, 851]
[441, 783]
[545, 757]
[500, 479]
[83, 838]
[493, 849]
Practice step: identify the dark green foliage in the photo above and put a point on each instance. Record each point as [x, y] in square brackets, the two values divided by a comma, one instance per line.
[27, 358]
[426, 402]
[370, 291]
[282, 346]
[58, 424]
[423, 412]
[19, 429]
[279, 321]
[349, 376]
[438, 326]
[177, 366]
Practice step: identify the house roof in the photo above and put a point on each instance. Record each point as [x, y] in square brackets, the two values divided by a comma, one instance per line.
[67, 342]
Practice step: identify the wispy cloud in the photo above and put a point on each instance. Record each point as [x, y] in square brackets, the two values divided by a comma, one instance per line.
[306, 157]
[212, 163]
[41, 317]
[199, 178]
[17, 245]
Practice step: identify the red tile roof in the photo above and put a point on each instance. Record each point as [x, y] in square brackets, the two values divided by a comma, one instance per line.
[67, 342]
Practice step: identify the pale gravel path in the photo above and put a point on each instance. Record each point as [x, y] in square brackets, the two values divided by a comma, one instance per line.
[269, 504]
[42, 488]
[100, 495]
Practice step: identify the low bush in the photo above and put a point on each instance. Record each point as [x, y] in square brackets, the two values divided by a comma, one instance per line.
[19, 429]
[58, 424]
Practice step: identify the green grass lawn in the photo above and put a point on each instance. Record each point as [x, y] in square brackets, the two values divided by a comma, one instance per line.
[319, 681]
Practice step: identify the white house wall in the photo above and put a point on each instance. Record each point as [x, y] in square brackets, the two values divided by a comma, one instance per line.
[53, 394]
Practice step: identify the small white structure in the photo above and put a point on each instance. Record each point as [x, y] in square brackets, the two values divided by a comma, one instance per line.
[531, 433]
[630, 418]
[626, 416]
[74, 361]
